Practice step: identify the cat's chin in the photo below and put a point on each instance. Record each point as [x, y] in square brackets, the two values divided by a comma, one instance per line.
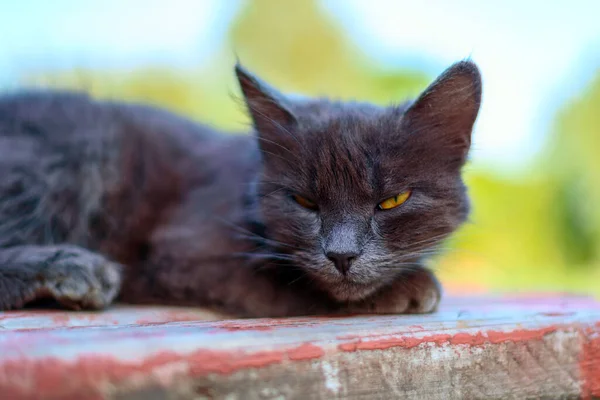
[346, 290]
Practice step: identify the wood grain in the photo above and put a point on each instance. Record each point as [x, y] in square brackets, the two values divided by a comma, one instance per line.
[473, 348]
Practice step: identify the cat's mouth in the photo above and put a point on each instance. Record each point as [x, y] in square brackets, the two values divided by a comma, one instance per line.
[349, 287]
[348, 290]
[359, 282]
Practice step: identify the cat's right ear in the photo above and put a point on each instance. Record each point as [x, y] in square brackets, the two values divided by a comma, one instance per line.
[270, 115]
[442, 118]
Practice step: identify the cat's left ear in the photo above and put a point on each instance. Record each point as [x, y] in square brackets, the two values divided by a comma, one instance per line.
[266, 106]
[443, 116]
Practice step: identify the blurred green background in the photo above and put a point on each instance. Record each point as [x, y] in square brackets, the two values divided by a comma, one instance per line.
[535, 172]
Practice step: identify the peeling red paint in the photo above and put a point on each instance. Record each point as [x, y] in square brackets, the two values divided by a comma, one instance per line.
[589, 363]
[409, 330]
[556, 314]
[56, 378]
[242, 326]
[521, 335]
[172, 316]
[347, 337]
[350, 346]
[206, 361]
[91, 364]
[467, 338]
[306, 351]
[477, 339]
[407, 342]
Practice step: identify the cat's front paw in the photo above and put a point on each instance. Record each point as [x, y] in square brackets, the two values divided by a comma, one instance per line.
[414, 292]
[80, 279]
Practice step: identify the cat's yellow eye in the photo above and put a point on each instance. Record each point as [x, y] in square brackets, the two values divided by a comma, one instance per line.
[395, 201]
[304, 202]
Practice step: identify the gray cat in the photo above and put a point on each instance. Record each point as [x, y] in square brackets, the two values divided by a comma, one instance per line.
[330, 207]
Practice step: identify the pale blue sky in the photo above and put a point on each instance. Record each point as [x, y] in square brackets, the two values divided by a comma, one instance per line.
[534, 55]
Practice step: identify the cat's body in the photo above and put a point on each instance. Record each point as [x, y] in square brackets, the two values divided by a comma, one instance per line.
[98, 197]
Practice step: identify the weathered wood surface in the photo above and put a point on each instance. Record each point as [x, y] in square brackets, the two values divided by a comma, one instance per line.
[544, 347]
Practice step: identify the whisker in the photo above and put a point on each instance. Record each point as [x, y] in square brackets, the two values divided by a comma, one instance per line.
[252, 235]
[432, 239]
[276, 256]
[273, 192]
[277, 124]
[271, 242]
[276, 144]
[276, 155]
[297, 279]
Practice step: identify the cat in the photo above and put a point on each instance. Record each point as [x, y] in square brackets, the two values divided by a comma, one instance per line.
[329, 207]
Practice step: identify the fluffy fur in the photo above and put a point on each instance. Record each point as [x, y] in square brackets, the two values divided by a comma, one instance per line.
[99, 198]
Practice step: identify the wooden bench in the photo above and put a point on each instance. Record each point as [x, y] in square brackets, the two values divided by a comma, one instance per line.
[476, 347]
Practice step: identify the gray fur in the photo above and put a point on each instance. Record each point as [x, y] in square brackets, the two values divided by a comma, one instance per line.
[101, 197]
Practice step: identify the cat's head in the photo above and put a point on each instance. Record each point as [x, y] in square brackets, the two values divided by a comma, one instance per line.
[355, 193]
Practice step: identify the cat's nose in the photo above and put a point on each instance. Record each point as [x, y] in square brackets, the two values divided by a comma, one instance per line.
[342, 261]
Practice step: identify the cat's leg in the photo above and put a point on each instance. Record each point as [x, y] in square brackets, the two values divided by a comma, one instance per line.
[415, 291]
[73, 276]
[58, 159]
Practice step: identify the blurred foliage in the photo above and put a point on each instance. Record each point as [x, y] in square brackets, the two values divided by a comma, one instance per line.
[575, 164]
[299, 48]
[540, 230]
[536, 231]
